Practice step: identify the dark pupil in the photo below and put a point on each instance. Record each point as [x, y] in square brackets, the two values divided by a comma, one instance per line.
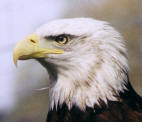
[60, 38]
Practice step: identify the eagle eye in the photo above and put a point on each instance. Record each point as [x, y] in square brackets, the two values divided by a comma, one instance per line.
[62, 39]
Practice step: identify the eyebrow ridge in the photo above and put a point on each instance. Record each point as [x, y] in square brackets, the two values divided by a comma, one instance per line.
[52, 37]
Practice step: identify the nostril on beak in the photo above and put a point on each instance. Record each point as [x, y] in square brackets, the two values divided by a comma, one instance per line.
[33, 41]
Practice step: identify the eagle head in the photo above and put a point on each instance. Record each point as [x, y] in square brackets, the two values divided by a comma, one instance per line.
[86, 60]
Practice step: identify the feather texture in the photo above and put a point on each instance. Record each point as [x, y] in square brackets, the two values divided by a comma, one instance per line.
[89, 82]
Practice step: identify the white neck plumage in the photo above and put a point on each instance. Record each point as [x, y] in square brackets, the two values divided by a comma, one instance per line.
[86, 86]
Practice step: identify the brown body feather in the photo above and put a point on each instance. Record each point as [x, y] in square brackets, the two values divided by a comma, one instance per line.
[128, 109]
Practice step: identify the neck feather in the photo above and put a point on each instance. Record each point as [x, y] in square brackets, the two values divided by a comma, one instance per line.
[104, 83]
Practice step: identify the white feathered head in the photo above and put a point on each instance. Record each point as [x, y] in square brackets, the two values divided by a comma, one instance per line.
[86, 60]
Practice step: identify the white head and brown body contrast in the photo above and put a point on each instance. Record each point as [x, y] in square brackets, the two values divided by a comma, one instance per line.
[88, 67]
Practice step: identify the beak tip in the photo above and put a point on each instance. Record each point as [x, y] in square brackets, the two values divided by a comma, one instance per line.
[15, 63]
[15, 60]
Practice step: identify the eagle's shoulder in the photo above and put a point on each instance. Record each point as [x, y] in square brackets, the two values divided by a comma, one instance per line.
[128, 109]
[118, 112]
[114, 112]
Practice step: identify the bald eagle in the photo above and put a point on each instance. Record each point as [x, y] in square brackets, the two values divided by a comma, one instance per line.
[88, 71]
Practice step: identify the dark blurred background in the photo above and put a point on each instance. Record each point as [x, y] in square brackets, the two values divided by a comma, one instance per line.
[19, 102]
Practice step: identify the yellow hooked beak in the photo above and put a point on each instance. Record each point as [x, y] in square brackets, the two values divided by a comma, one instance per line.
[28, 48]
